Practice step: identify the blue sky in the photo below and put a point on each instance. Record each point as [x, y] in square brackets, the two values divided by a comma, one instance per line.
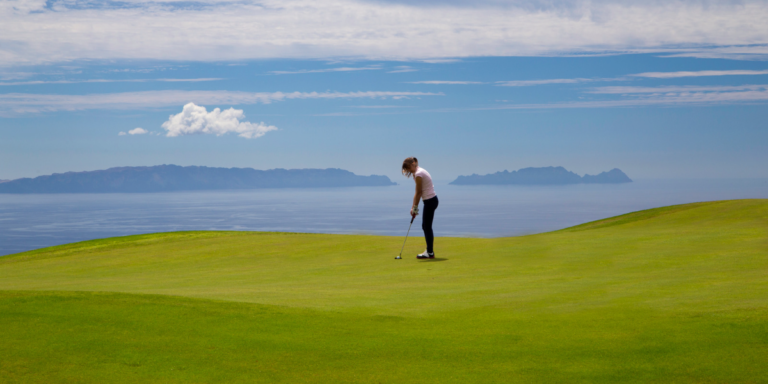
[658, 89]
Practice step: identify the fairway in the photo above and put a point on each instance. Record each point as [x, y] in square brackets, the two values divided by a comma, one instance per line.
[673, 294]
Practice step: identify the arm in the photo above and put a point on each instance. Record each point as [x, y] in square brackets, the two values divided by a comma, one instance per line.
[417, 195]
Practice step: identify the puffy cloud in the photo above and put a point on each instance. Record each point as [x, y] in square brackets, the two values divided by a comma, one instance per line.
[195, 119]
[135, 131]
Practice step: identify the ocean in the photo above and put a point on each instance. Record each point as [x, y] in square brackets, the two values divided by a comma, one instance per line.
[41, 220]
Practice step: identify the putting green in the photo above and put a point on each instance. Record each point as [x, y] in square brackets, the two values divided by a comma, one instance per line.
[674, 294]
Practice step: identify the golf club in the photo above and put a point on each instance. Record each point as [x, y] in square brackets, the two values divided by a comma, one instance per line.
[406, 238]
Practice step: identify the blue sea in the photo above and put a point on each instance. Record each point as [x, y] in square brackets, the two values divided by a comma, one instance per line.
[41, 220]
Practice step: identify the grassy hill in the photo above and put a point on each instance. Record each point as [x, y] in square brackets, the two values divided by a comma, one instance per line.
[674, 294]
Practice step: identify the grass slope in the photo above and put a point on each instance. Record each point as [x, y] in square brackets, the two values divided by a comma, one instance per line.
[674, 294]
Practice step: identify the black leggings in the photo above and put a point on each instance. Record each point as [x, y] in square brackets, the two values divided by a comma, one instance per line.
[426, 222]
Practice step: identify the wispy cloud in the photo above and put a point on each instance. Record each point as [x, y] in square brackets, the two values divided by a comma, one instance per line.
[672, 96]
[189, 80]
[758, 52]
[657, 75]
[672, 75]
[339, 114]
[449, 82]
[403, 69]
[14, 103]
[676, 89]
[324, 70]
[380, 106]
[527, 83]
[347, 114]
[195, 120]
[34, 32]
[36, 82]
[440, 61]
[14, 75]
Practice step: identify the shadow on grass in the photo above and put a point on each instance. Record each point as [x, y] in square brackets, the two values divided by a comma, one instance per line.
[432, 260]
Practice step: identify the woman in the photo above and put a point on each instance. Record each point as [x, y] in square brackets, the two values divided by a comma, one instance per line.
[426, 191]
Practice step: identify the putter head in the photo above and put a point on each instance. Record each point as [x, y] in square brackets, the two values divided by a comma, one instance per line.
[398, 257]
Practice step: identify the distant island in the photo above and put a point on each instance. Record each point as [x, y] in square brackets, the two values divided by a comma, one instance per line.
[543, 176]
[165, 178]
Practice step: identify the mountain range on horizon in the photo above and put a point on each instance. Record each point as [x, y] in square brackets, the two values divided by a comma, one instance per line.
[162, 178]
[166, 178]
[542, 176]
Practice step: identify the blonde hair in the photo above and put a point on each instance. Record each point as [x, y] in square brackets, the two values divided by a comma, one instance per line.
[407, 166]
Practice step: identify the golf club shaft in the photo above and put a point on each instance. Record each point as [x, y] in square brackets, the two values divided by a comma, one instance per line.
[406, 238]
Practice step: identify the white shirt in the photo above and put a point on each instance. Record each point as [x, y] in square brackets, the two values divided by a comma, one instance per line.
[427, 189]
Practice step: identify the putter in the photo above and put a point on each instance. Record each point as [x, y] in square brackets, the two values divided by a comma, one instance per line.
[406, 238]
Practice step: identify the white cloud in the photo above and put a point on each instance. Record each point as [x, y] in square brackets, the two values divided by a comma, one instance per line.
[437, 82]
[242, 30]
[380, 106]
[187, 80]
[347, 114]
[6, 75]
[135, 131]
[15, 103]
[403, 69]
[440, 61]
[671, 75]
[22, 6]
[36, 82]
[340, 69]
[658, 75]
[195, 119]
[526, 83]
[749, 52]
[676, 89]
[674, 96]
[337, 114]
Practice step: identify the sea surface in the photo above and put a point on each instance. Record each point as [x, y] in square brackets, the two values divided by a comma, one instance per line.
[41, 220]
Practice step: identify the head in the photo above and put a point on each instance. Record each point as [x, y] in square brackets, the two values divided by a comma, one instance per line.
[410, 165]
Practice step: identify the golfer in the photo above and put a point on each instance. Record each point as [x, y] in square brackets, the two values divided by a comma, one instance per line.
[426, 191]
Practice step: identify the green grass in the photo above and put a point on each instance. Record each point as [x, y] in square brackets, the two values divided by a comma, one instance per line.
[674, 294]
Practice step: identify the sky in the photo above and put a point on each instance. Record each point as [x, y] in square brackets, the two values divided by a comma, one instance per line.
[659, 89]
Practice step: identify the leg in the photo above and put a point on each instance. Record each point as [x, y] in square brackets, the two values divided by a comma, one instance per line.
[426, 224]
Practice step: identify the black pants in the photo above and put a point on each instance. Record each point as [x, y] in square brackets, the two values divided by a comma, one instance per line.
[426, 222]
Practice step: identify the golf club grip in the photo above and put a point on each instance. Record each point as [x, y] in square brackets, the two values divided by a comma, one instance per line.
[412, 217]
